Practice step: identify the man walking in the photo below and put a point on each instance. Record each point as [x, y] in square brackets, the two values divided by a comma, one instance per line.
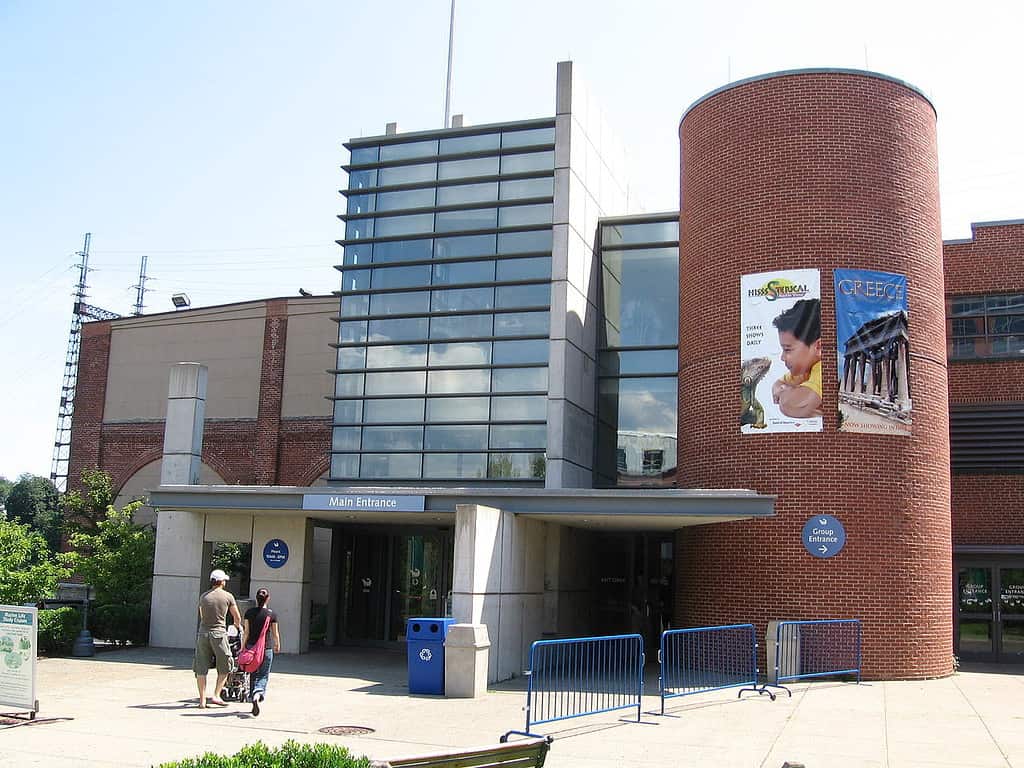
[212, 639]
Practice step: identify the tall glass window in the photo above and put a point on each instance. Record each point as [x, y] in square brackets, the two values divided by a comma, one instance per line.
[443, 346]
[638, 354]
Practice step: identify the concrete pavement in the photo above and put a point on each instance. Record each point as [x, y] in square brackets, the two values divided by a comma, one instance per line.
[138, 708]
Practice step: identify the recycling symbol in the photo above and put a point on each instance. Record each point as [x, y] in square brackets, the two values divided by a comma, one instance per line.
[426, 655]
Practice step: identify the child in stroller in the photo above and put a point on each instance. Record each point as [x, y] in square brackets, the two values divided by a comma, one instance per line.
[236, 687]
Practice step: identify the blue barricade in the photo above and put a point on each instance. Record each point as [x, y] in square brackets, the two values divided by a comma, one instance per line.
[805, 649]
[583, 676]
[708, 659]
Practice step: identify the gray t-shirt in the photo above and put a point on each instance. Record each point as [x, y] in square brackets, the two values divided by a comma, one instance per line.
[214, 605]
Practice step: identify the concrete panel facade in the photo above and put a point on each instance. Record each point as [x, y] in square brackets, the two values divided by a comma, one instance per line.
[308, 357]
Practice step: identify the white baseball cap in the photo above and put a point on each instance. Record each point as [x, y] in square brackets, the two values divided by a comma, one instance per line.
[218, 575]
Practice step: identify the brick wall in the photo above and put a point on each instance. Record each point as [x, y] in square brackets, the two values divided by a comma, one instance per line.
[815, 170]
[260, 451]
[988, 510]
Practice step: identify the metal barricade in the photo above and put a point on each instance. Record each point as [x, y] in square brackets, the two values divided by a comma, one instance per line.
[582, 676]
[805, 649]
[708, 659]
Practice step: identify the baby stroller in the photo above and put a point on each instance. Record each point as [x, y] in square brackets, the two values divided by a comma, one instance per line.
[236, 687]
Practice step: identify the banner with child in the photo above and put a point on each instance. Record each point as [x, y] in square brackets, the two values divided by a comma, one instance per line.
[780, 352]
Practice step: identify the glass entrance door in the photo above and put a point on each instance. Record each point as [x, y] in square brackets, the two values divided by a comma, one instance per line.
[388, 577]
[990, 613]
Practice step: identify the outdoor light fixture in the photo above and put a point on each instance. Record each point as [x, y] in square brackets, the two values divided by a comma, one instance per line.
[180, 300]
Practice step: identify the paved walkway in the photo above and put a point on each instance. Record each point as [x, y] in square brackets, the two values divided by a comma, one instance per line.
[138, 708]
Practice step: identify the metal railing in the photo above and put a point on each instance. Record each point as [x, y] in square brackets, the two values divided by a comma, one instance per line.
[805, 649]
[708, 659]
[582, 676]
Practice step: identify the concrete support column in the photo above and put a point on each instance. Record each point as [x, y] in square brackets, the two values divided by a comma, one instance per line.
[177, 564]
[291, 584]
[499, 581]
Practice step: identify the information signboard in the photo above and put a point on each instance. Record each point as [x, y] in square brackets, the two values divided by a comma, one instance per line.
[18, 633]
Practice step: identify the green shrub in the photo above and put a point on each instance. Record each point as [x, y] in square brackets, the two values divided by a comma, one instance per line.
[291, 754]
[121, 623]
[58, 628]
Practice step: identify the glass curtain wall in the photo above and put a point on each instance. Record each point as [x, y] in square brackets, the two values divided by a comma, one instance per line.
[638, 355]
[444, 321]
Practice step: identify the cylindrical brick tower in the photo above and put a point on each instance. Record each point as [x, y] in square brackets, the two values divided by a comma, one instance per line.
[815, 169]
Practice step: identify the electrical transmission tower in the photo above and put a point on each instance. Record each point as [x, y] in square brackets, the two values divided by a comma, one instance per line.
[62, 443]
[140, 287]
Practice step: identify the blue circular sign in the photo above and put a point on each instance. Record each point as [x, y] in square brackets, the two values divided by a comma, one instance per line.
[824, 536]
[275, 553]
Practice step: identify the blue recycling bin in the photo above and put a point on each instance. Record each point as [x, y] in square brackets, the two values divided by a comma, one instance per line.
[425, 643]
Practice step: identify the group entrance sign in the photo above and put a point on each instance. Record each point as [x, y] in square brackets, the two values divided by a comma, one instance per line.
[824, 536]
[18, 632]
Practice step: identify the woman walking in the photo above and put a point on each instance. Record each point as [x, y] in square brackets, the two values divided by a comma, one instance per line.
[254, 626]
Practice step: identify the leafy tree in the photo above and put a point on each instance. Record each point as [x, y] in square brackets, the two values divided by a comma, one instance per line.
[28, 569]
[33, 501]
[117, 560]
[85, 508]
[5, 488]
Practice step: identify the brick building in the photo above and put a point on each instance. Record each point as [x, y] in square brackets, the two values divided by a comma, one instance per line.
[519, 364]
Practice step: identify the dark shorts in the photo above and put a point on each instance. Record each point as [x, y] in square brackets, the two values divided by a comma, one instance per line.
[212, 649]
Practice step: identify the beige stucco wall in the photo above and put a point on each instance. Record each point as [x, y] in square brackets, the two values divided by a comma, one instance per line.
[228, 340]
[308, 357]
[149, 477]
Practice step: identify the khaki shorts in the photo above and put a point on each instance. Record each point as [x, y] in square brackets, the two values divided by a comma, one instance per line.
[212, 648]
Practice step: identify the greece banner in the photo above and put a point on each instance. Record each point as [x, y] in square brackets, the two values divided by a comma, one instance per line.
[873, 347]
[780, 352]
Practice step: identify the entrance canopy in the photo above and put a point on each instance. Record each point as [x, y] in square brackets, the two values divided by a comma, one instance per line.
[575, 507]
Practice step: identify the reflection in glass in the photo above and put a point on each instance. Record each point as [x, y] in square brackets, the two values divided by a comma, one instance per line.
[355, 305]
[516, 466]
[350, 358]
[479, 143]
[459, 169]
[520, 380]
[464, 353]
[460, 327]
[538, 268]
[345, 439]
[464, 272]
[348, 411]
[524, 215]
[521, 324]
[640, 292]
[390, 465]
[363, 155]
[455, 465]
[357, 253]
[362, 179]
[359, 204]
[519, 408]
[358, 229]
[348, 384]
[525, 351]
[406, 198]
[462, 299]
[395, 383]
[528, 138]
[975, 636]
[517, 189]
[647, 232]
[408, 150]
[1013, 640]
[392, 438]
[441, 382]
[449, 438]
[1011, 591]
[533, 161]
[407, 356]
[407, 174]
[355, 280]
[467, 193]
[352, 332]
[637, 421]
[402, 250]
[639, 361]
[537, 240]
[399, 303]
[394, 410]
[398, 329]
[511, 296]
[466, 245]
[472, 218]
[457, 409]
[402, 277]
[414, 224]
[345, 466]
[519, 436]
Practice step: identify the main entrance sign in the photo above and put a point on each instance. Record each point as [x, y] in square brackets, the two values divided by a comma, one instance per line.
[824, 536]
[362, 502]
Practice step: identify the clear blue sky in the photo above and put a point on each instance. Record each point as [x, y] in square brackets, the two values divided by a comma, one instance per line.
[207, 135]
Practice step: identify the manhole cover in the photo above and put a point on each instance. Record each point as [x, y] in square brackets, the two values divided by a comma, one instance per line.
[346, 730]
